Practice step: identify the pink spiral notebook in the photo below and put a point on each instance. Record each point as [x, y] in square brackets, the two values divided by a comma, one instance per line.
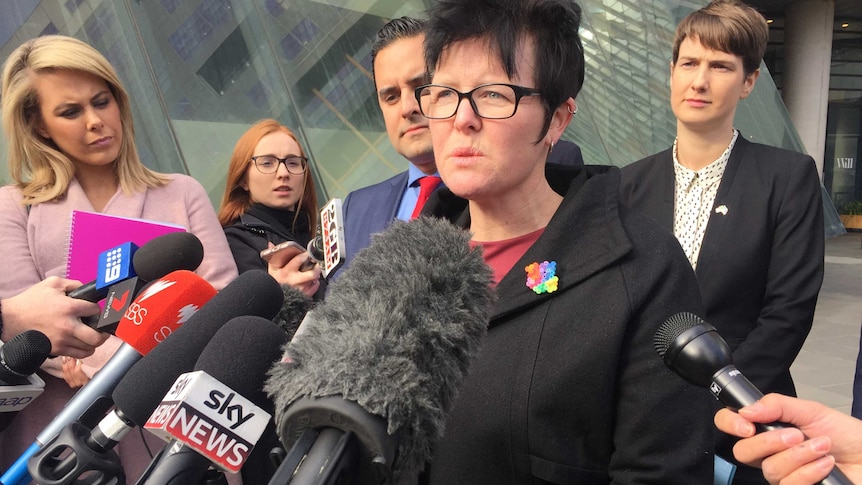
[92, 232]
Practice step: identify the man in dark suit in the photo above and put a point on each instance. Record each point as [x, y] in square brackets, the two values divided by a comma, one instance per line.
[398, 68]
[748, 216]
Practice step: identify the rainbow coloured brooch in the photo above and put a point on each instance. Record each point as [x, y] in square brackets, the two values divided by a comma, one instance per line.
[542, 277]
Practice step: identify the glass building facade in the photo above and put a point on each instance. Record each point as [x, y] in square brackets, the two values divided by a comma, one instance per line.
[841, 174]
[200, 72]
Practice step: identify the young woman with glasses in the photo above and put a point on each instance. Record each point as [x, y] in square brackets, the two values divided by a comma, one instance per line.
[269, 199]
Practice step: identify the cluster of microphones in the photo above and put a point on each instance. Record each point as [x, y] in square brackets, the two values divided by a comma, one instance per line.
[352, 391]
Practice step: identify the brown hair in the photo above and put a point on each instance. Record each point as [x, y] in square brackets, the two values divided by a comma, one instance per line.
[728, 26]
[237, 200]
[36, 164]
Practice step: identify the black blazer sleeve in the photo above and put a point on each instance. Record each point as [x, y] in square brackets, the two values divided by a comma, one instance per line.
[794, 274]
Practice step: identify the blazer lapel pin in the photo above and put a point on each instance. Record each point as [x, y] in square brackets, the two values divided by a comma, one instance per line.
[542, 277]
[722, 209]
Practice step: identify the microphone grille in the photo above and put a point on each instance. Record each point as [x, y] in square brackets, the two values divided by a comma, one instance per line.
[672, 328]
[315, 248]
[25, 352]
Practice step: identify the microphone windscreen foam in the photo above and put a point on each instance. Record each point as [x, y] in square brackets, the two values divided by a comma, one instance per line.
[395, 335]
[162, 307]
[166, 253]
[241, 353]
[145, 384]
[25, 352]
[293, 310]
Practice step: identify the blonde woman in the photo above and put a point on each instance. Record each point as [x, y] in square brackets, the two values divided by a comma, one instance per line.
[69, 130]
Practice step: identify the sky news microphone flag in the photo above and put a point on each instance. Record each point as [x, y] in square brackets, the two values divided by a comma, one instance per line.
[237, 358]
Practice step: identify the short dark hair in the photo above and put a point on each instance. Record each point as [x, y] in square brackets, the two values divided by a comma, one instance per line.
[553, 25]
[400, 28]
[728, 26]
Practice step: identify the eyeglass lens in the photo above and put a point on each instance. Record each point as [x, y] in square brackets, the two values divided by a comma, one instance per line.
[489, 101]
[269, 164]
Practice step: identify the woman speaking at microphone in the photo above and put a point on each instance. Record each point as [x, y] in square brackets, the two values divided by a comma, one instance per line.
[70, 137]
[567, 388]
[269, 199]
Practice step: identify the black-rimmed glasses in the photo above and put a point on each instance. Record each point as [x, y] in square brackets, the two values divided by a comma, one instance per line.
[269, 164]
[490, 101]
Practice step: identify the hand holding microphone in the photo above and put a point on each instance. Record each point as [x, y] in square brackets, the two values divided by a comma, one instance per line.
[787, 456]
[167, 304]
[46, 307]
[73, 372]
[143, 385]
[693, 349]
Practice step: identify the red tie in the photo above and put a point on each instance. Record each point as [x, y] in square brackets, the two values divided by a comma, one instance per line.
[426, 187]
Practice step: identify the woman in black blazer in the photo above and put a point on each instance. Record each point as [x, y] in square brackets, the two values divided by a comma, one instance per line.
[749, 216]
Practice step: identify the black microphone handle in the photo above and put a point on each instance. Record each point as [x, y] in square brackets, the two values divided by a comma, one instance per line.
[328, 456]
[293, 458]
[735, 391]
[89, 292]
[176, 464]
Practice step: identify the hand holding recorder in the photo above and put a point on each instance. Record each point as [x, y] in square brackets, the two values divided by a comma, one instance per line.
[290, 264]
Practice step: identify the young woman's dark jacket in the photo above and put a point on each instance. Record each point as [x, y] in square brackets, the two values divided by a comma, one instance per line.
[259, 225]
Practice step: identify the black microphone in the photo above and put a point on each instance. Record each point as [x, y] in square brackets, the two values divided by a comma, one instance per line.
[365, 388]
[252, 293]
[20, 357]
[157, 313]
[143, 385]
[158, 257]
[238, 357]
[694, 349]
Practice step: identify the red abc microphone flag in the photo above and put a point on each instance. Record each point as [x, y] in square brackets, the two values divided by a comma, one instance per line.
[162, 307]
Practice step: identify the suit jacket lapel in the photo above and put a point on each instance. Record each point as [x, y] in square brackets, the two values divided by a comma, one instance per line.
[655, 189]
[396, 193]
[729, 191]
[667, 182]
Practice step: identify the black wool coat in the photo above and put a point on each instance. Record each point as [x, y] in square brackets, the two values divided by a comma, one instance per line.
[568, 388]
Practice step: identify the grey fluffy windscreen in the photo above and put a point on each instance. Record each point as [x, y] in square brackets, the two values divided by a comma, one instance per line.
[396, 334]
[292, 310]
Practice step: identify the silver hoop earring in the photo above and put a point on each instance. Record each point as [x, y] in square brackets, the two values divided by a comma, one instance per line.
[569, 109]
[551, 150]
